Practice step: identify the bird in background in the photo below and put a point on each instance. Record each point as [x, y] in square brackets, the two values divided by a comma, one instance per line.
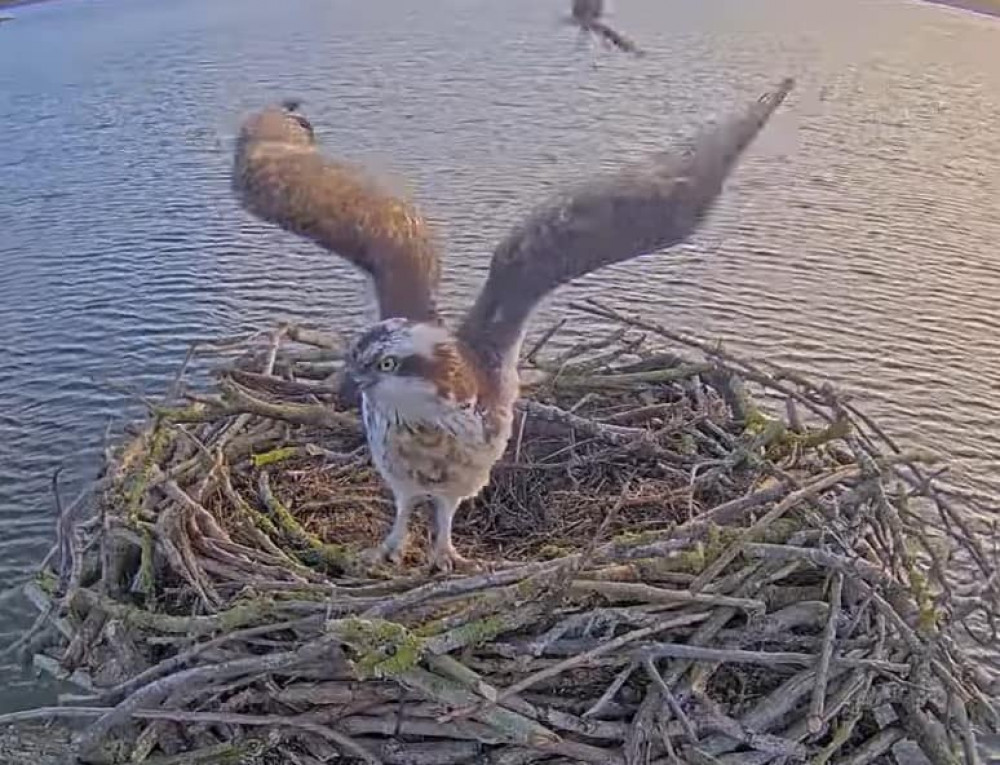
[586, 14]
[438, 402]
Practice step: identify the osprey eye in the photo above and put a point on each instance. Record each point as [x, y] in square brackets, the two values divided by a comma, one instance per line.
[388, 364]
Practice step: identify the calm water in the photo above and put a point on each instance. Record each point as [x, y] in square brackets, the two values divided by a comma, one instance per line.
[859, 241]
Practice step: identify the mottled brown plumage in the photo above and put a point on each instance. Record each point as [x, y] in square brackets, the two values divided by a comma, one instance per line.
[437, 405]
[280, 177]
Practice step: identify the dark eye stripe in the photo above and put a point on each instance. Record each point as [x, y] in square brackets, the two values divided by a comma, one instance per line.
[413, 366]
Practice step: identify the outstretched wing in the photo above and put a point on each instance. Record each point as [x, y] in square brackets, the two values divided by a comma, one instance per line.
[637, 211]
[279, 176]
[617, 39]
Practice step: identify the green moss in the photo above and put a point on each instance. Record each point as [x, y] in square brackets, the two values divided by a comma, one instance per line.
[447, 612]
[780, 530]
[720, 539]
[928, 616]
[553, 552]
[312, 551]
[244, 613]
[274, 456]
[779, 442]
[147, 572]
[814, 437]
[328, 557]
[526, 588]
[479, 631]
[196, 412]
[687, 445]
[692, 561]
[48, 582]
[226, 753]
[638, 538]
[755, 422]
[430, 628]
[381, 648]
[138, 481]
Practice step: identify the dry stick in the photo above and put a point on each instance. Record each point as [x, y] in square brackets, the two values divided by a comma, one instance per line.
[457, 671]
[601, 650]
[451, 587]
[272, 351]
[595, 308]
[926, 485]
[159, 689]
[543, 341]
[761, 658]
[583, 659]
[675, 706]
[565, 579]
[51, 713]
[614, 434]
[712, 718]
[204, 518]
[855, 567]
[309, 336]
[874, 747]
[179, 661]
[511, 725]
[680, 538]
[650, 594]
[340, 739]
[826, 653]
[805, 493]
[610, 692]
[242, 401]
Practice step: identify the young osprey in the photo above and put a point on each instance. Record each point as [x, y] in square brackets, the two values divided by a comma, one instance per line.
[587, 15]
[437, 402]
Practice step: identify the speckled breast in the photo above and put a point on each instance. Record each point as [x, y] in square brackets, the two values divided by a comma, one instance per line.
[418, 458]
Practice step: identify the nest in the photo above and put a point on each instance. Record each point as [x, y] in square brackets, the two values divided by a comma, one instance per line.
[675, 575]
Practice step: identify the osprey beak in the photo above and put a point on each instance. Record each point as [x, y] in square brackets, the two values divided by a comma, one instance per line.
[348, 390]
[356, 379]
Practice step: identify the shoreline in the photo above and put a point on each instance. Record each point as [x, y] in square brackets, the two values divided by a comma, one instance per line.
[7, 4]
[980, 7]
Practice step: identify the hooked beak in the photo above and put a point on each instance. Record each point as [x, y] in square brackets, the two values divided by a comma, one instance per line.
[349, 388]
[357, 378]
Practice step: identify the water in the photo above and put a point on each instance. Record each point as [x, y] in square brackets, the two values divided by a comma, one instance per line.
[857, 242]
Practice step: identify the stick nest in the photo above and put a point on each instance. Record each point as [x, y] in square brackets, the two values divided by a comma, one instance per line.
[675, 576]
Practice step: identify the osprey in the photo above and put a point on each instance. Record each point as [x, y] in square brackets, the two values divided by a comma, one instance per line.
[438, 401]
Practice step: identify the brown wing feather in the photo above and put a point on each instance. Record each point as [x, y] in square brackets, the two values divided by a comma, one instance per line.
[637, 211]
[279, 176]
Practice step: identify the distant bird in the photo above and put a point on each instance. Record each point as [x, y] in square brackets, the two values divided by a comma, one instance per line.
[438, 404]
[587, 15]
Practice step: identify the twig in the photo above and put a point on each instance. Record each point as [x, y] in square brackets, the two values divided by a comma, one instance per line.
[826, 653]
[675, 707]
[762, 658]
